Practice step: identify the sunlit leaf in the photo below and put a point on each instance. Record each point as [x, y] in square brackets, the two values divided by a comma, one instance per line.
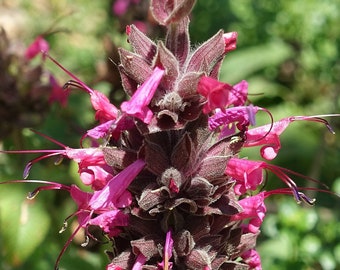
[244, 62]
[23, 223]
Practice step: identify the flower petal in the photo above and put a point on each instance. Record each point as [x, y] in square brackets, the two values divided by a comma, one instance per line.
[138, 104]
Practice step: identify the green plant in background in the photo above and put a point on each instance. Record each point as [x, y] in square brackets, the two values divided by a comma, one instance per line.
[291, 63]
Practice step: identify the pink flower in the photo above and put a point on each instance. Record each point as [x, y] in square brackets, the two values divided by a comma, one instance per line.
[112, 266]
[109, 221]
[216, 93]
[38, 46]
[165, 264]
[101, 130]
[247, 173]
[105, 111]
[58, 94]
[120, 7]
[93, 169]
[242, 115]
[253, 209]
[269, 135]
[238, 95]
[140, 261]
[230, 41]
[137, 106]
[115, 188]
[252, 258]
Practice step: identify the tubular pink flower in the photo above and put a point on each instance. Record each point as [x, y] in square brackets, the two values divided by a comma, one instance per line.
[36, 47]
[165, 264]
[230, 40]
[101, 130]
[138, 104]
[105, 111]
[253, 209]
[112, 266]
[247, 173]
[269, 135]
[95, 176]
[109, 221]
[140, 261]
[239, 93]
[252, 258]
[216, 93]
[242, 115]
[93, 169]
[116, 187]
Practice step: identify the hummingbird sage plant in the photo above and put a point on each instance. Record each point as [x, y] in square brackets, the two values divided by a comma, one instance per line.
[169, 187]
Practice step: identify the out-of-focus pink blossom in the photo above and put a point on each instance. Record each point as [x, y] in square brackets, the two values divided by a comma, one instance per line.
[38, 46]
[120, 7]
[58, 94]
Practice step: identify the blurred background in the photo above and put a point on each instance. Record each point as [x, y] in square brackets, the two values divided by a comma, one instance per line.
[288, 51]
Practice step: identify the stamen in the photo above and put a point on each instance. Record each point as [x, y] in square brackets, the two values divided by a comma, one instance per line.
[307, 199]
[30, 163]
[303, 197]
[317, 118]
[74, 84]
[85, 87]
[27, 170]
[296, 195]
[68, 242]
[250, 113]
[87, 241]
[49, 138]
[59, 160]
[31, 195]
[64, 227]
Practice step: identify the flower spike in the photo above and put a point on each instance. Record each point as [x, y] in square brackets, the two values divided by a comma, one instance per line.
[167, 184]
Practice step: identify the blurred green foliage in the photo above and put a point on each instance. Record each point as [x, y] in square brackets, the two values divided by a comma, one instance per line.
[288, 51]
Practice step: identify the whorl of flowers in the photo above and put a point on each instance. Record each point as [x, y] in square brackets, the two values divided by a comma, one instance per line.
[169, 187]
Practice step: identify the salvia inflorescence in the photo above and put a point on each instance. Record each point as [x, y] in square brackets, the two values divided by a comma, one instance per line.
[169, 187]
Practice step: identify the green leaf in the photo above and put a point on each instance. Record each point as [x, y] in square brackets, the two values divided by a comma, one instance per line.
[242, 63]
[23, 224]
